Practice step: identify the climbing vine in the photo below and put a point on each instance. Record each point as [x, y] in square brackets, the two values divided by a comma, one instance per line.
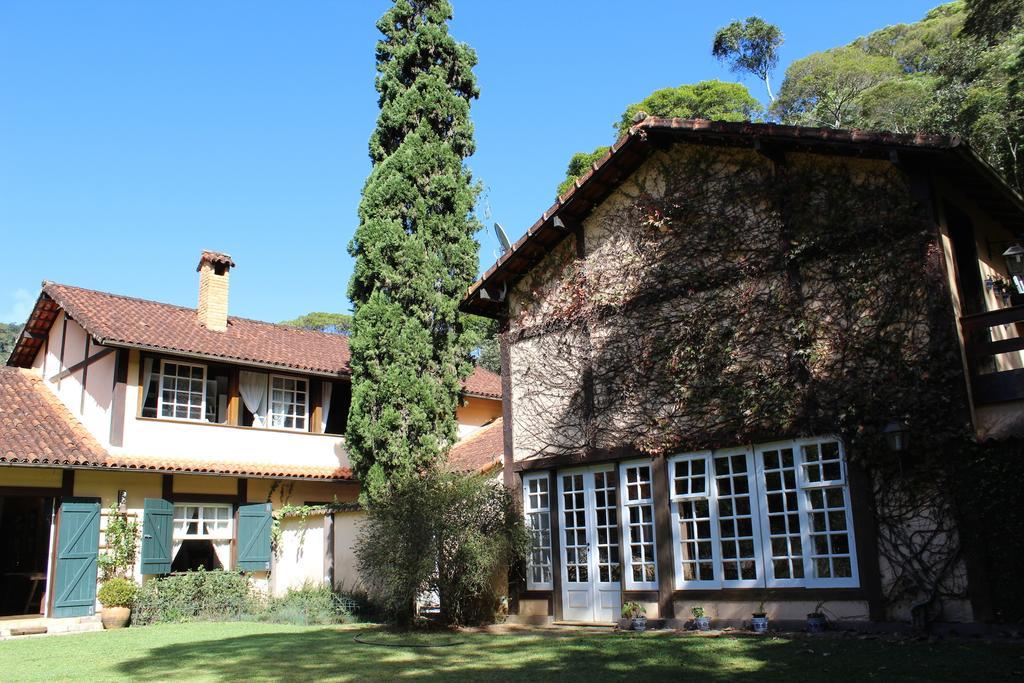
[121, 542]
[303, 513]
[726, 298]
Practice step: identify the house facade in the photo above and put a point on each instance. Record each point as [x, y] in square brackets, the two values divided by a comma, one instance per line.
[741, 362]
[199, 425]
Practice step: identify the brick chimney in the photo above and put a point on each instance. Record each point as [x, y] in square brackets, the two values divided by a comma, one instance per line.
[213, 272]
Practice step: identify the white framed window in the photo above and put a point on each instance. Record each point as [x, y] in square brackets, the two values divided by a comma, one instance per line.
[637, 492]
[289, 401]
[202, 521]
[694, 534]
[774, 515]
[537, 508]
[182, 391]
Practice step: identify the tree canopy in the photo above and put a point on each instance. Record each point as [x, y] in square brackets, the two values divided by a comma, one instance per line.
[824, 89]
[712, 99]
[334, 323]
[958, 71]
[8, 338]
[414, 251]
[751, 47]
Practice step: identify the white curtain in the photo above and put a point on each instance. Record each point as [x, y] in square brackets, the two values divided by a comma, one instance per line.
[147, 377]
[328, 390]
[223, 550]
[253, 388]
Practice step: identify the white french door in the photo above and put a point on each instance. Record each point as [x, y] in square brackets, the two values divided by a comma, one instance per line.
[591, 569]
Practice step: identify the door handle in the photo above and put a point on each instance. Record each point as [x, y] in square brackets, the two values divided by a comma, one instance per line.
[147, 535]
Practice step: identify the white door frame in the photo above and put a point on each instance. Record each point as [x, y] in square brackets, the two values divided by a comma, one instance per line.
[592, 599]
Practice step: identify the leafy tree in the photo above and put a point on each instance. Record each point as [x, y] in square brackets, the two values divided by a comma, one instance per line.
[579, 164]
[750, 46]
[334, 323]
[8, 338]
[713, 99]
[484, 335]
[901, 105]
[446, 533]
[990, 19]
[414, 251]
[824, 89]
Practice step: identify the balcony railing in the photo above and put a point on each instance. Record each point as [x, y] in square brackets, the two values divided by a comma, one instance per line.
[994, 377]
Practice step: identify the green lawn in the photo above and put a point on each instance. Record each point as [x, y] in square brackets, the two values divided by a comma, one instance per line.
[246, 651]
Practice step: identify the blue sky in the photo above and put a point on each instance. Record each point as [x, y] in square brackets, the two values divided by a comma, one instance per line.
[135, 134]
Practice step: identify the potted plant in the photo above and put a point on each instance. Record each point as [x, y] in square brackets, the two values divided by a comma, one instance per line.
[117, 597]
[637, 615]
[700, 620]
[816, 621]
[759, 620]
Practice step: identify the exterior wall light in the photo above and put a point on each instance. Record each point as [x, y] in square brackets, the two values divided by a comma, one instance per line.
[897, 436]
[1014, 256]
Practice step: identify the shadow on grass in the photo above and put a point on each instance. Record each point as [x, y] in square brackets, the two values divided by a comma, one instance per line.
[333, 654]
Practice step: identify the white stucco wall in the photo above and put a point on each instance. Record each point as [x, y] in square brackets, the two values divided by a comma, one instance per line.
[94, 410]
[300, 553]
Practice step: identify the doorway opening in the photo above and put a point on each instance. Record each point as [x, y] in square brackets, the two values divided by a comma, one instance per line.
[25, 529]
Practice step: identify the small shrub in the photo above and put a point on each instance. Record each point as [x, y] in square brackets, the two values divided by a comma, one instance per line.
[446, 534]
[118, 592]
[199, 595]
[310, 604]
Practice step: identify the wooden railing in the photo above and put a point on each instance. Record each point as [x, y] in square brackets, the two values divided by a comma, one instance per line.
[989, 383]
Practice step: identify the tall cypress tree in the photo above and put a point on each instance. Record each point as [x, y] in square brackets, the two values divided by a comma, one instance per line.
[414, 249]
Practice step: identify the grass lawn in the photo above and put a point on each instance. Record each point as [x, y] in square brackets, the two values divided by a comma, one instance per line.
[246, 651]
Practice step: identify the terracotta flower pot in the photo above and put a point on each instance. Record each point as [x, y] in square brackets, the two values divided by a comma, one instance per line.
[115, 617]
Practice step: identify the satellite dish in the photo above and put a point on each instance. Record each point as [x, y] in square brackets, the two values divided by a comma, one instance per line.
[506, 246]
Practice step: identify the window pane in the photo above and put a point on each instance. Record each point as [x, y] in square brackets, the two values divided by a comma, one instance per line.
[782, 513]
[738, 549]
[639, 510]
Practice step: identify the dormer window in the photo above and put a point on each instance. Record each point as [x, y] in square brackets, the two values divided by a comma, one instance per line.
[182, 391]
[289, 398]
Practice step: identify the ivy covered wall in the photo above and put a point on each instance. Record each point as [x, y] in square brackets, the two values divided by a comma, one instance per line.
[723, 298]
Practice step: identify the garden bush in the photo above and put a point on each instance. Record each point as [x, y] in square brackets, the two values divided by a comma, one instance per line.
[445, 533]
[310, 604]
[118, 592]
[197, 596]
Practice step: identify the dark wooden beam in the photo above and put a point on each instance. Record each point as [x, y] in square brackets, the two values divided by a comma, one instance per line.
[63, 339]
[663, 535]
[85, 374]
[67, 484]
[81, 365]
[118, 398]
[865, 533]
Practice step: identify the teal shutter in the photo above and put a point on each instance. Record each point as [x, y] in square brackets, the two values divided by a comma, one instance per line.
[254, 537]
[78, 544]
[157, 527]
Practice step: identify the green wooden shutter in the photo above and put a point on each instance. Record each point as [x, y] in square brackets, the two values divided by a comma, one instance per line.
[157, 527]
[254, 537]
[78, 545]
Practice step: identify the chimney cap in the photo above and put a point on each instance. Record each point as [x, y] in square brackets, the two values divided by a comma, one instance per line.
[216, 258]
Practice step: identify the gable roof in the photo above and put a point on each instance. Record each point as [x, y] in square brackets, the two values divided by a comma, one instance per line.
[933, 153]
[482, 383]
[117, 320]
[37, 429]
[481, 451]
